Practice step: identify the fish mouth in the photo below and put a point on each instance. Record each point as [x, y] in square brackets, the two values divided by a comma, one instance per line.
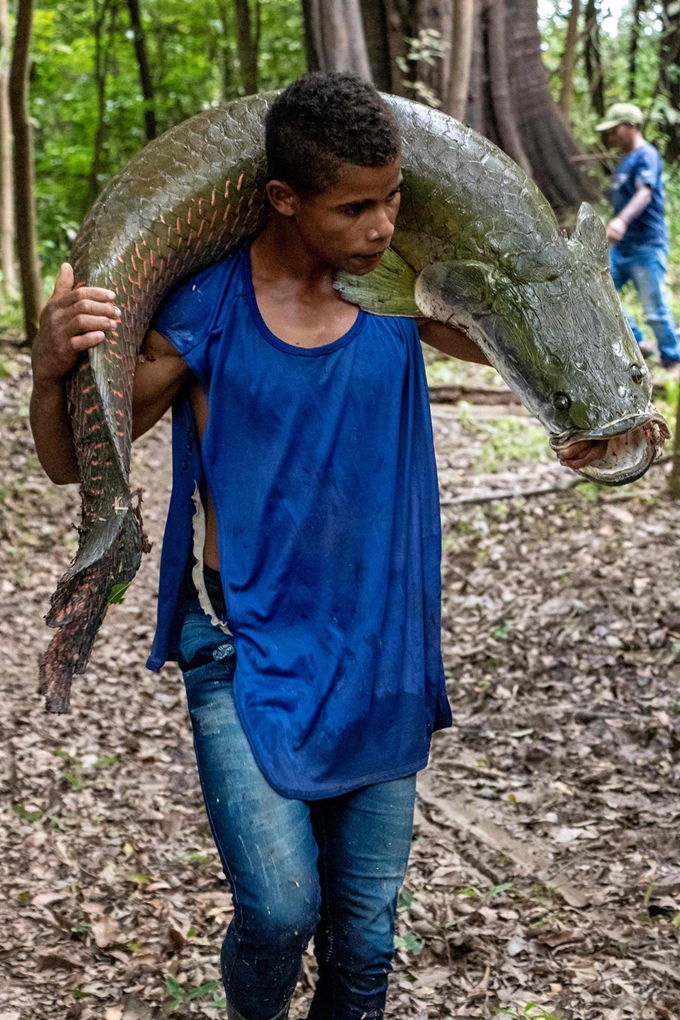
[633, 444]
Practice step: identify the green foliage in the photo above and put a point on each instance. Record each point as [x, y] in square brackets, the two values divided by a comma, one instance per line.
[528, 1013]
[181, 995]
[510, 439]
[193, 59]
[118, 593]
[409, 943]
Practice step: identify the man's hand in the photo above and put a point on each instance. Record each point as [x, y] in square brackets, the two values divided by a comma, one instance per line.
[579, 455]
[71, 321]
[616, 228]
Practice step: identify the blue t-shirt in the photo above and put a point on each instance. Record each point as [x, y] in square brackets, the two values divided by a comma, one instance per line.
[320, 463]
[641, 166]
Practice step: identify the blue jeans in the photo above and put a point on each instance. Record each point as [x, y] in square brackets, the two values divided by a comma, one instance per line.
[328, 869]
[646, 267]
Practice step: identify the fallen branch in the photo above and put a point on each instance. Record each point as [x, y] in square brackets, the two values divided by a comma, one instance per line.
[444, 393]
[491, 497]
[571, 483]
[468, 815]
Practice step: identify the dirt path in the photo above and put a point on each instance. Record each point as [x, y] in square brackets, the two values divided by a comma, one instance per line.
[545, 859]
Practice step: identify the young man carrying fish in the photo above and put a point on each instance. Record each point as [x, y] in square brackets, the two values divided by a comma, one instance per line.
[304, 608]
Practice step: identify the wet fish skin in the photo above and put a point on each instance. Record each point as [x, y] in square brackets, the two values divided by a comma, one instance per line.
[196, 194]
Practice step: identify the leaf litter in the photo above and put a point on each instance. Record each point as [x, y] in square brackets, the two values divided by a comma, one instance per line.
[544, 877]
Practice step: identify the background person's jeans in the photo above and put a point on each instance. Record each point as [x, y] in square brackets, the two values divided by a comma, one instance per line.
[329, 869]
[646, 267]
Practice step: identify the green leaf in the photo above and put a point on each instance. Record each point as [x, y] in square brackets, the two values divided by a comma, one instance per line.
[118, 593]
[409, 943]
[405, 899]
[24, 814]
[202, 990]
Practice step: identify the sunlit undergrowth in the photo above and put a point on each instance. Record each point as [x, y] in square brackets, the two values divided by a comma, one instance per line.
[505, 440]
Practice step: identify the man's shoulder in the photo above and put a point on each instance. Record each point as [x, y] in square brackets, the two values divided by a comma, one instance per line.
[214, 277]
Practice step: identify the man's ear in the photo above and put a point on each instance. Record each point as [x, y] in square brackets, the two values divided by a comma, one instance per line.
[282, 197]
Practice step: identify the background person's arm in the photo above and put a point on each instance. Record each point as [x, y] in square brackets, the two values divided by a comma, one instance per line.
[617, 227]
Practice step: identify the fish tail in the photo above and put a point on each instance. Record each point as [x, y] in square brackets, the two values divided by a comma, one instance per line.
[108, 557]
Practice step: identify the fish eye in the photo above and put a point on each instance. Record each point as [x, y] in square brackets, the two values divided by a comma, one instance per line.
[561, 402]
[637, 373]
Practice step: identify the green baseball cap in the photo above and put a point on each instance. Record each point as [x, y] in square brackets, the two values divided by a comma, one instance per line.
[621, 113]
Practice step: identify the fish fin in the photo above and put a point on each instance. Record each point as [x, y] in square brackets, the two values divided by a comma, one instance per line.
[590, 231]
[388, 290]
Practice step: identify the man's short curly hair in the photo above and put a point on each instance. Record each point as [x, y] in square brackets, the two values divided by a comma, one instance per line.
[323, 121]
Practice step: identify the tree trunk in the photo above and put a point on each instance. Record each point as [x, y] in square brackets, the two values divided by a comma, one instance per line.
[592, 57]
[24, 169]
[507, 127]
[103, 11]
[669, 81]
[224, 51]
[337, 36]
[460, 64]
[546, 139]
[7, 265]
[247, 41]
[387, 26]
[638, 10]
[568, 62]
[434, 16]
[508, 97]
[145, 79]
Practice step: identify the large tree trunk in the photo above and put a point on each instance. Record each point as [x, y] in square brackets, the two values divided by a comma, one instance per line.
[568, 62]
[638, 10]
[145, 79]
[104, 11]
[508, 97]
[592, 57]
[7, 265]
[24, 169]
[336, 36]
[224, 51]
[460, 64]
[669, 82]
[547, 141]
[247, 40]
[387, 26]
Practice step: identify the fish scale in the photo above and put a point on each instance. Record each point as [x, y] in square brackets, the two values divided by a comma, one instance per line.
[476, 243]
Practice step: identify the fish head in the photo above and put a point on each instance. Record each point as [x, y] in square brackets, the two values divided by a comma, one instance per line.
[558, 335]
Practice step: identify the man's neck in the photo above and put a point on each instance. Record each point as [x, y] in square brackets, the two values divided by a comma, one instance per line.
[280, 253]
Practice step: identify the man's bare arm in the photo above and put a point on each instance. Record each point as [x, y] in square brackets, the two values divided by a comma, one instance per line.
[71, 322]
[450, 340]
[617, 227]
[159, 376]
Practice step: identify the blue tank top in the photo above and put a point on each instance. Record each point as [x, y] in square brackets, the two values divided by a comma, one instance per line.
[320, 463]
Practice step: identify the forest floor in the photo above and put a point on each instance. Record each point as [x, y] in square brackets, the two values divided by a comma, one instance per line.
[545, 865]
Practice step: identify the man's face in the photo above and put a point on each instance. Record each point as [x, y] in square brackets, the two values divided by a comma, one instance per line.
[622, 137]
[351, 224]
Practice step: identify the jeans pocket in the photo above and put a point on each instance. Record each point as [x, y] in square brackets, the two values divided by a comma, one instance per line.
[201, 644]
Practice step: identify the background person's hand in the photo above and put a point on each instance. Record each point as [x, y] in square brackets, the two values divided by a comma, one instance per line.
[71, 321]
[616, 228]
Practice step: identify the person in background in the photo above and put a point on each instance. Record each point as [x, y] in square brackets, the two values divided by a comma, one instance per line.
[637, 233]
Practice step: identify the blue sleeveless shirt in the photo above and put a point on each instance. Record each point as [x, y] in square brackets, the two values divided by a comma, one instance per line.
[320, 463]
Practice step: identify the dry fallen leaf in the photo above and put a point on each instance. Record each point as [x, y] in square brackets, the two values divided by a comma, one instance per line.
[105, 931]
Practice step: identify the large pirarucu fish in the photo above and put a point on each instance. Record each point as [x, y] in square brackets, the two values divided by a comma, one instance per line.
[476, 245]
